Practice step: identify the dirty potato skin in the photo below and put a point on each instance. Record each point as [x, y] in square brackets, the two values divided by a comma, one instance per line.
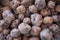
[29, 20]
[40, 4]
[24, 28]
[51, 4]
[14, 4]
[54, 28]
[15, 23]
[45, 12]
[15, 32]
[36, 19]
[47, 20]
[33, 9]
[7, 15]
[26, 20]
[35, 31]
[20, 9]
[21, 16]
[46, 34]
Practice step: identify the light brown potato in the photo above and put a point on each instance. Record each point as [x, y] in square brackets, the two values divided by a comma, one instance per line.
[48, 20]
[33, 9]
[20, 9]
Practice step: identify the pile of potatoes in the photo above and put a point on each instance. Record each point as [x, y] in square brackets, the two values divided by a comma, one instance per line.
[29, 19]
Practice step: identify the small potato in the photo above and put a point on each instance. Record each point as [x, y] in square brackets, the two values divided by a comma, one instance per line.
[54, 28]
[35, 31]
[20, 9]
[33, 9]
[36, 19]
[24, 28]
[15, 23]
[3, 24]
[15, 32]
[55, 18]
[27, 3]
[45, 12]
[8, 16]
[14, 4]
[21, 16]
[45, 34]
[26, 20]
[48, 20]
[40, 4]
[51, 4]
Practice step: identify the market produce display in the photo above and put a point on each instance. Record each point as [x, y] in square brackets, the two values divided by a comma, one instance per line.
[29, 19]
